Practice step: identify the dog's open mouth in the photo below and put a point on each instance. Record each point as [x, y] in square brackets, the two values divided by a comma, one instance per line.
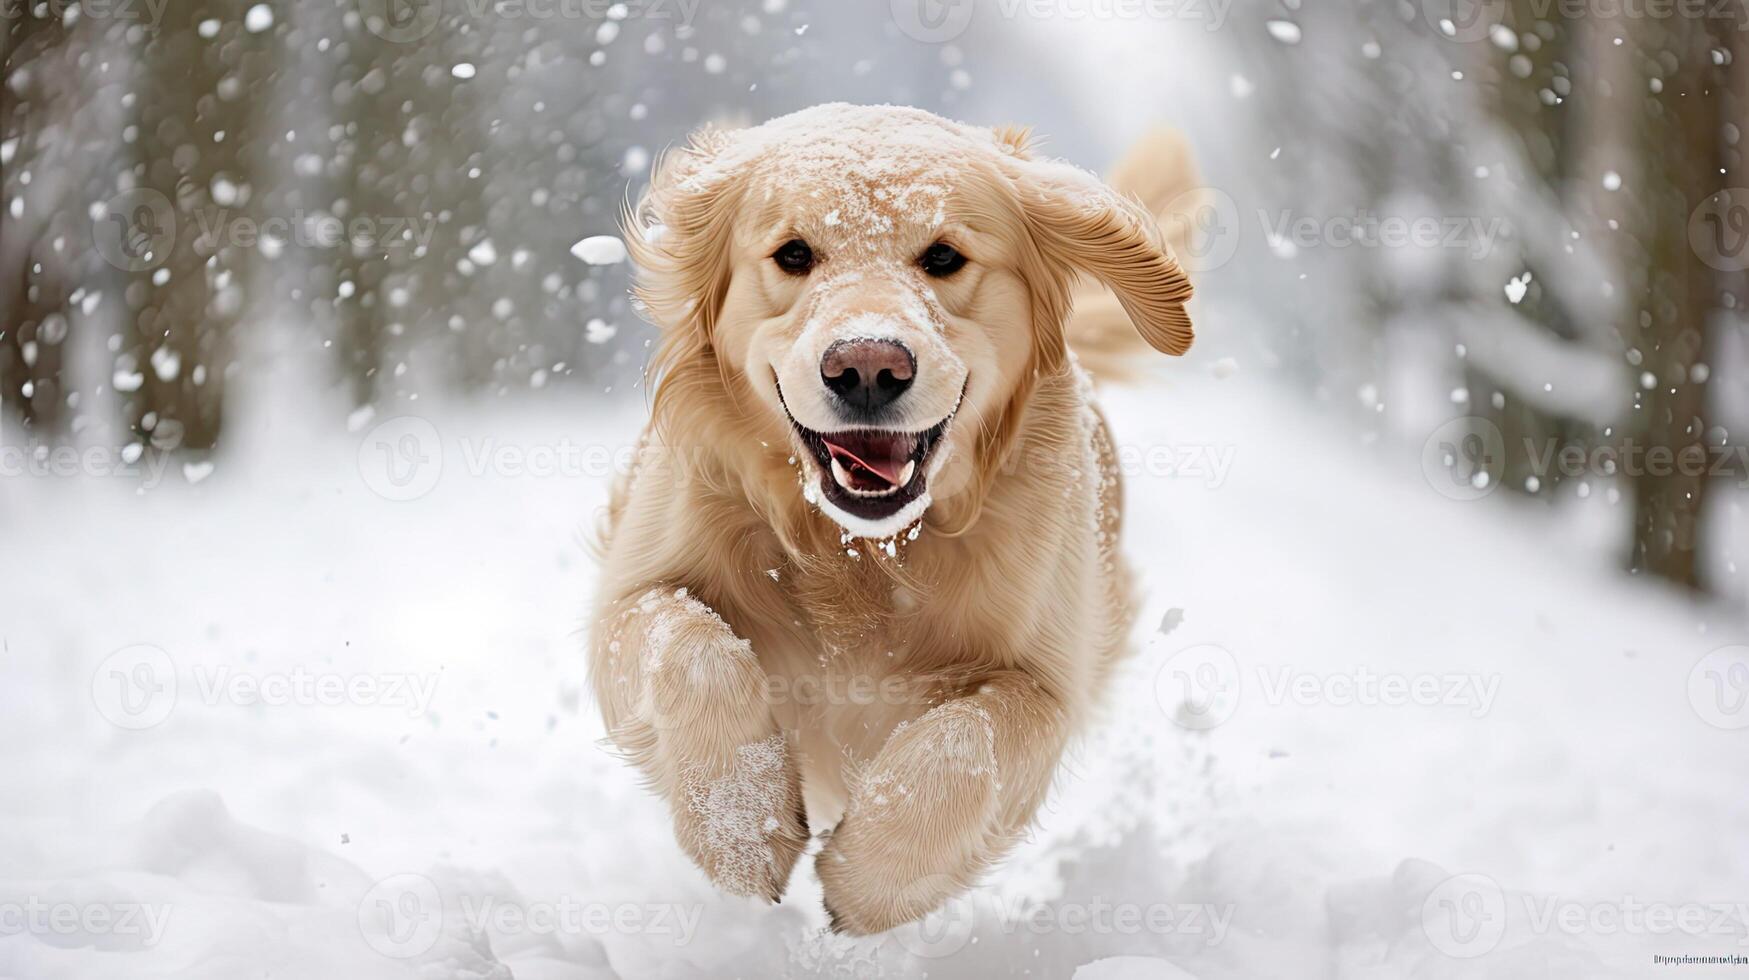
[871, 474]
[871, 480]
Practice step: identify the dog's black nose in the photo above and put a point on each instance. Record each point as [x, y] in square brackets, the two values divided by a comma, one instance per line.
[867, 374]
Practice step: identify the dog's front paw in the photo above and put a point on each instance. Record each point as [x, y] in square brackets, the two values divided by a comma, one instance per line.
[919, 824]
[691, 713]
[744, 824]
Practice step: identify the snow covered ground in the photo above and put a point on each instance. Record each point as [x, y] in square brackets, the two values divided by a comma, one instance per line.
[317, 715]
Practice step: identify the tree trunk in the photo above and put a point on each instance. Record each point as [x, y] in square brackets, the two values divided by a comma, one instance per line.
[33, 291]
[197, 99]
[1684, 147]
[1541, 132]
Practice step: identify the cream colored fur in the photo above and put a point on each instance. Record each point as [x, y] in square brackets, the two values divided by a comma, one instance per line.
[907, 699]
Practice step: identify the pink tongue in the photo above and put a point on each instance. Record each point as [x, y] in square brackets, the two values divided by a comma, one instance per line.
[887, 469]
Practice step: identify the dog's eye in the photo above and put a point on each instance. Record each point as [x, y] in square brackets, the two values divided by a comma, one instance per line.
[941, 259]
[794, 257]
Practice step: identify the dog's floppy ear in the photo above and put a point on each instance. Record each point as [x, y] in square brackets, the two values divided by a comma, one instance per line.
[1082, 224]
[678, 235]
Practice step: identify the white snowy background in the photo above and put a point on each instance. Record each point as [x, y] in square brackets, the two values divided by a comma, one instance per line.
[311, 705]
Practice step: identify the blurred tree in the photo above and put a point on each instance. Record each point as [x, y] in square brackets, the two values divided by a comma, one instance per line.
[34, 61]
[468, 191]
[373, 285]
[1526, 79]
[202, 72]
[1685, 61]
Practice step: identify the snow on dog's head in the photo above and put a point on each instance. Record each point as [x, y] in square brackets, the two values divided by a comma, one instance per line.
[884, 283]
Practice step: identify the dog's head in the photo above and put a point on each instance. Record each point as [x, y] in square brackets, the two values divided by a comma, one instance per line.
[886, 283]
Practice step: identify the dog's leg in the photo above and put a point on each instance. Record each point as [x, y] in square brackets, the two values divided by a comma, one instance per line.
[685, 699]
[946, 796]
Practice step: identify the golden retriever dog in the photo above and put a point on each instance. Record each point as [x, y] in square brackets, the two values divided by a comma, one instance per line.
[864, 577]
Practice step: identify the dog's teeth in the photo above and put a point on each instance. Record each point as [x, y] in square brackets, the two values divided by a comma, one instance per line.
[841, 476]
[907, 473]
